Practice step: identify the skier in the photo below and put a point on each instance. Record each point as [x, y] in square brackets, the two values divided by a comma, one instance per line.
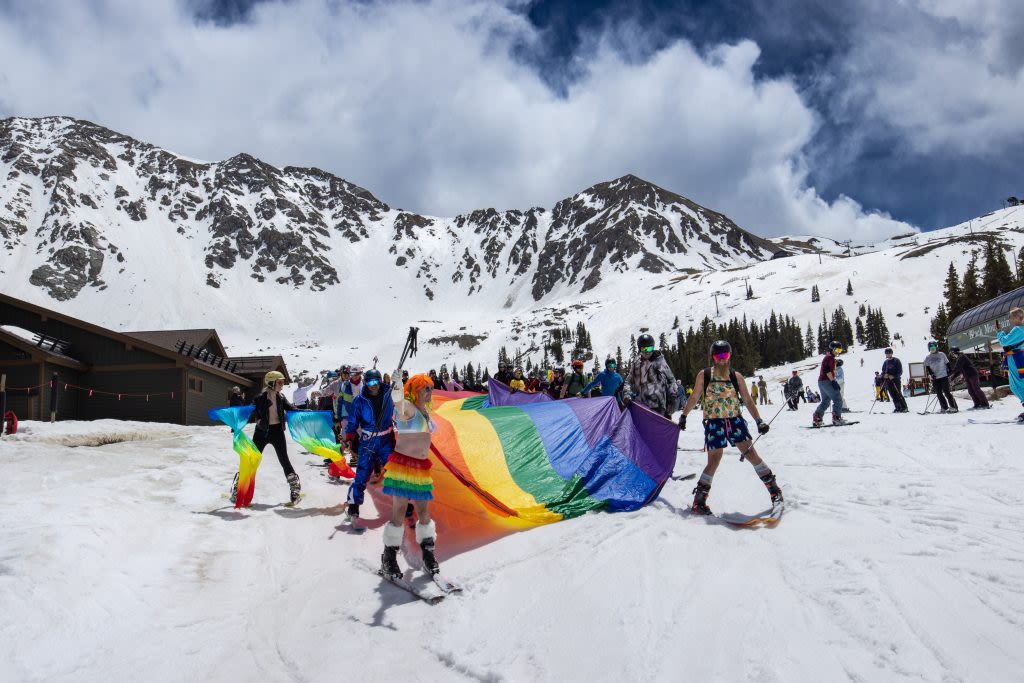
[937, 366]
[609, 380]
[517, 383]
[369, 432]
[271, 408]
[407, 474]
[794, 389]
[557, 382]
[351, 385]
[763, 390]
[892, 374]
[1013, 354]
[723, 389]
[575, 382]
[236, 398]
[963, 367]
[650, 381]
[829, 388]
[841, 379]
[504, 375]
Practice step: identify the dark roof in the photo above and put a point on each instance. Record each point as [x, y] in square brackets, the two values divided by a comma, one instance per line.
[988, 311]
[255, 367]
[49, 355]
[169, 338]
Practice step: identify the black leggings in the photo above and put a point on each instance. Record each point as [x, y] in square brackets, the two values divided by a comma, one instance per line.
[941, 388]
[275, 436]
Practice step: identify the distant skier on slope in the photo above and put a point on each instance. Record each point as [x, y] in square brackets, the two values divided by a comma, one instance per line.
[937, 366]
[407, 474]
[892, 373]
[1013, 354]
[964, 367]
[722, 390]
[370, 431]
[650, 379]
[829, 388]
[271, 408]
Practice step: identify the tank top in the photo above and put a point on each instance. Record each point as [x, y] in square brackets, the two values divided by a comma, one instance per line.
[721, 400]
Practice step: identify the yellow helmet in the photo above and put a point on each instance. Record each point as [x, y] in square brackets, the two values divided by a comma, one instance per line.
[271, 377]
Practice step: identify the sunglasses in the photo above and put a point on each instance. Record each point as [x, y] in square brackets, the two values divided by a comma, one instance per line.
[372, 382]
[646, 349]
[724, 355]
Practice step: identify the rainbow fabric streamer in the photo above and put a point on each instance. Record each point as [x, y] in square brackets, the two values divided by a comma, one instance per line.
[248, 456]
[408, 477]
[509, 467]
[313, 430]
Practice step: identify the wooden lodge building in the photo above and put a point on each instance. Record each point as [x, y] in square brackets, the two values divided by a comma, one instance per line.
[154, 376]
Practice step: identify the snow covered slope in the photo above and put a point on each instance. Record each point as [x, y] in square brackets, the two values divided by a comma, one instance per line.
[895, 560]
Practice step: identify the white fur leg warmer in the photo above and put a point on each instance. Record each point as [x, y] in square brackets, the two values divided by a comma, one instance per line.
[393, 535]
[425, 531]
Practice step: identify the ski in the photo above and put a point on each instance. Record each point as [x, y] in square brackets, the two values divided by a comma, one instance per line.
[291, 504]
[684, 477]
[769, 518]
[424, 594]
[823, 426]
[993, 422]
[446, 584]
[320, 464]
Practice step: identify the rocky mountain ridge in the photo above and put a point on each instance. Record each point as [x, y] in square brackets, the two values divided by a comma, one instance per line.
[83, 206]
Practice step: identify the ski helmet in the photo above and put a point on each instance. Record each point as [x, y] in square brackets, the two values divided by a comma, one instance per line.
[835, 347]
[954, 349]
[344, 370]
[577, 363]
[721, 346]
[645, 341]
[372, 377]
[610, 363]
[357, 369]
[932, 344]
[888, 350]
[271, 378]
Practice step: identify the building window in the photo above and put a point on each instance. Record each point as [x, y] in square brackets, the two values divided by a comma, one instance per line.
[195, 384]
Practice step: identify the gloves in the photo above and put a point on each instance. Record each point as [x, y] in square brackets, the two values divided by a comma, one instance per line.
[579, 395]
[762, 427]
[626, 401]
[835, 385]
[682, 422]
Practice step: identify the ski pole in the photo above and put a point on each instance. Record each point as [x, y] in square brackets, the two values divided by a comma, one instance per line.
[743, 454]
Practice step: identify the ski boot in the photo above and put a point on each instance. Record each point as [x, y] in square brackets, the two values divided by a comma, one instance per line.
[426, 535]
[816, 420]
[838, 420]
[353, 511]
[353, 459]
[295, 486]
[234, 489]
[389, 568]
[773, 489]
[700, 499]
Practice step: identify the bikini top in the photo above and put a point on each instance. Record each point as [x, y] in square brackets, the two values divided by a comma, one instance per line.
[417, 423]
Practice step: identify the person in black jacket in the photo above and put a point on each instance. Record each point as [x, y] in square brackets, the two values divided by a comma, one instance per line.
[271, 407]
[963, 367]
[794, 388]
[892, 373]
[236, 397]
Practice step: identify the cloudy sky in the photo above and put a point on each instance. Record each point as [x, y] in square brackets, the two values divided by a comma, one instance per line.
[846, 117]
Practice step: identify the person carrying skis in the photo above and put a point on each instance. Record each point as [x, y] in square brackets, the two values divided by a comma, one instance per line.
[650, 381]
[271, 417]
[829, 388]
[369, 432]
[407, 474]
[724, 390]
[892, 374]
[575, 382]
[794, 388]
[609, 380]
[1013, 354]
[937, 366]
[963, 367]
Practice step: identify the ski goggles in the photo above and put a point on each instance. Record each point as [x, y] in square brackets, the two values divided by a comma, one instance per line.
[646, 349]
[724, 355]
[611, 365]
[372, 382]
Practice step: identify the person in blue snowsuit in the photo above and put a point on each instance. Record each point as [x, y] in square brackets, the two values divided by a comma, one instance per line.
[370, 430]
[1013, 351]
[610, 381]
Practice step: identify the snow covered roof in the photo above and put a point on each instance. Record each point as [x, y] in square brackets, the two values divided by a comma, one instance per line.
[987, 312]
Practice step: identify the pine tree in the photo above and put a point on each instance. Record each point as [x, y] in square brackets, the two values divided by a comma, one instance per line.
[954, 295]
[750, 292]
[972, 293]
[809, 341]
[939, 324]
[675, 323]
[861, 312]
[996, 276]
[849, 288]
[815, 296]
[859, 332]
[1020, 268]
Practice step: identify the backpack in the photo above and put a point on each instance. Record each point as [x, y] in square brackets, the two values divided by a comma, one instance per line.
[732, 378]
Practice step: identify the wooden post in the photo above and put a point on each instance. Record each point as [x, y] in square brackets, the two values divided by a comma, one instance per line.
[3, 404]
[53, 398]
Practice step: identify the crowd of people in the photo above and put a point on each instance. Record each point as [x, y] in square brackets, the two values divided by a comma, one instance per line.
[385, 424]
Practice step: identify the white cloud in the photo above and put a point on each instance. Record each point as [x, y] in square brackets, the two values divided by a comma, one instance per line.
[423, 104]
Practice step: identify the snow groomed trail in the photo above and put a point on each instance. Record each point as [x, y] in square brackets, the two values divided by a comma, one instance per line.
[899, 558]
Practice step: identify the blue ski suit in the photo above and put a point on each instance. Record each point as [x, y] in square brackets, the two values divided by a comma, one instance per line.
[376, 438]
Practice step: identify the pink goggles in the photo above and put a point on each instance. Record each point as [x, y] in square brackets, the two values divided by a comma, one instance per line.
[724, 355]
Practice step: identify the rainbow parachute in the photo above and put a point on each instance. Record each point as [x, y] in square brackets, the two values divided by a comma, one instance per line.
[312, 429]
[248, 457]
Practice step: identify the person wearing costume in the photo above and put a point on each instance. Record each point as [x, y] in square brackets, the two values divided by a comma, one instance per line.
[1012, 342]
[369, 432]
[407, 474]
[270, 413]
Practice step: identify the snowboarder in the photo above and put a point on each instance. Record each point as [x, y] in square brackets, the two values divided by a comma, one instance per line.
[963, 367]
[829, 388]
[794, 389]
[609, 380]
[407, 474]
[271, 409]
[369, 432]
[723, 389]
[575, 382]
[937, 366]
[650, 381]
[892, 374]
[1013, 354]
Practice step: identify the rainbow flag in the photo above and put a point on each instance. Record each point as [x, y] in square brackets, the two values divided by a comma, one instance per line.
[509, 467]
[248, 457]
[314, 431]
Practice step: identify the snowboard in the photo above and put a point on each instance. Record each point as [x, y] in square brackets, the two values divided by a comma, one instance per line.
[823, 426]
